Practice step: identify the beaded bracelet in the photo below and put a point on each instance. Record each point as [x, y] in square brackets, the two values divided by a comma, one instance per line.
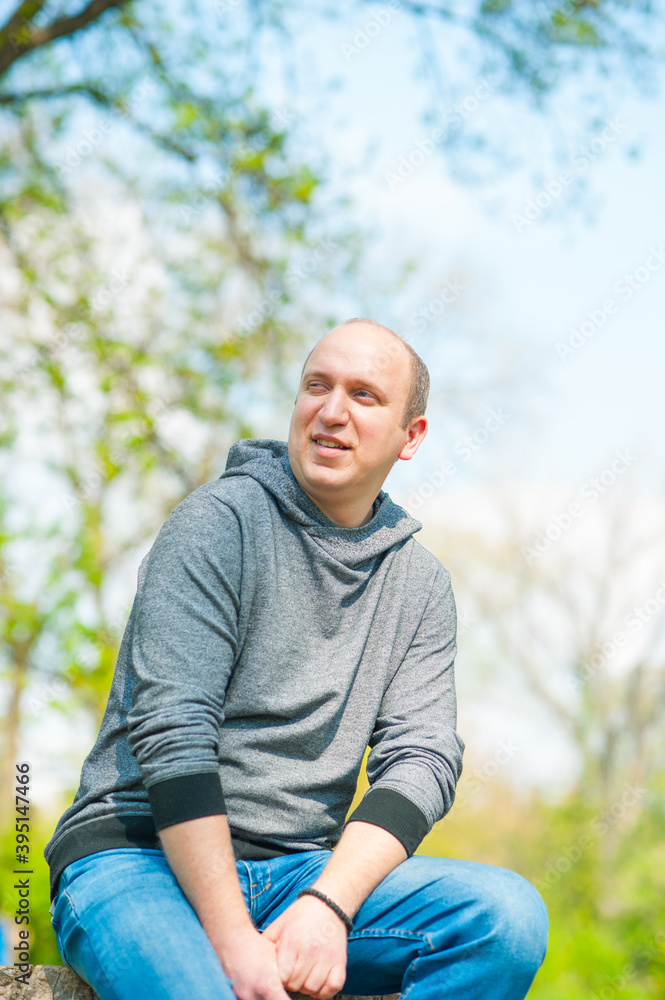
[333, 906]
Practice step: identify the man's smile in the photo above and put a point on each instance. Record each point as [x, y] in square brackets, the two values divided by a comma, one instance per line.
[328, 445]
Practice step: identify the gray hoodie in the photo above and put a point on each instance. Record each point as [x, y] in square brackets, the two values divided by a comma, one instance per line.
[266, 648]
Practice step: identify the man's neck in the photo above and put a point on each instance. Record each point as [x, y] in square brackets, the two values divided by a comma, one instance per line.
[345, 514]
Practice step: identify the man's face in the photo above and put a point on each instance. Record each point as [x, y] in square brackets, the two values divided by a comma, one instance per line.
[346, 432]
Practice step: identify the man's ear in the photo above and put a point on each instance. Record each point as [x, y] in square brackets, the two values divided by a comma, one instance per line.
[416, 431]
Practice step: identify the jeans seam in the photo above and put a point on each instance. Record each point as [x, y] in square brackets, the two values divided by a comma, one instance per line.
[64, 892]
[399, 932]
[57, 930]
[257, 894]
[252, 885]
[406, 992]
[412, 968]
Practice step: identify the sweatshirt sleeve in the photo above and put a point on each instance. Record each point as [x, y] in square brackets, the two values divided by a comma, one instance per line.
[415, 757]
[183, 649]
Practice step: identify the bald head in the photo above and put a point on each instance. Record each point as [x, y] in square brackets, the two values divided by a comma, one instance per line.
[418, 391]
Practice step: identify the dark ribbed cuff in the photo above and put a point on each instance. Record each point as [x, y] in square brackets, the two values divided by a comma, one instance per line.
[187, 796]
[395, 813]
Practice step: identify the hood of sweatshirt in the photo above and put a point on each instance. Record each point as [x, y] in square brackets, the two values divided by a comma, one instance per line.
[267, 462]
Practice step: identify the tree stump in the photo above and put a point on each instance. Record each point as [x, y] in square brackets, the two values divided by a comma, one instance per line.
[57, 982]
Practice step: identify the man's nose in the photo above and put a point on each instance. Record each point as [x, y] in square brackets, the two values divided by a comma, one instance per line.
[334, 409]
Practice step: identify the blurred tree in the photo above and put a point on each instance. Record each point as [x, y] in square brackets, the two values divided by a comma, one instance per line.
[153, 229]
[552, 608]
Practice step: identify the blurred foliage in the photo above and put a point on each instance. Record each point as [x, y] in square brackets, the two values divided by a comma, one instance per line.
[43, 947]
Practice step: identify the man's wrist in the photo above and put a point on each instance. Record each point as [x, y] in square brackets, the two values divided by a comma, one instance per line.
[333, 888]
[330, 903]
[228, 939]
[364, 856]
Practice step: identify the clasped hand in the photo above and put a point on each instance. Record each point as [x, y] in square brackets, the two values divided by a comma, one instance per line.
[311, 948]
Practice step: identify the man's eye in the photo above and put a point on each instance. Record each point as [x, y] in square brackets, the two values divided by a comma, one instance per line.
[366, 393]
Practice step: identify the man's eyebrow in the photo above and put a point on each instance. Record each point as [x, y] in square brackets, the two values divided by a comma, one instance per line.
[357, 380]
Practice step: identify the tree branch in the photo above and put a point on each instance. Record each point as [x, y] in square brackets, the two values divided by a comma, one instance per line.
[15, 43]
[45, 93]
[89, 90]
[21, 16]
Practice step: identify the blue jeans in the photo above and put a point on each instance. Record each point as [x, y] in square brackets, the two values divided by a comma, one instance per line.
[434, 927]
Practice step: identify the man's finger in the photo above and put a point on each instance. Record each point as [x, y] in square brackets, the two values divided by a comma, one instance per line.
[286, 961]
[278, 991]
[325, 987]
[336, 979]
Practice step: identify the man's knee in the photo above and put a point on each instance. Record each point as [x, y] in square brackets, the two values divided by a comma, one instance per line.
[515, 919]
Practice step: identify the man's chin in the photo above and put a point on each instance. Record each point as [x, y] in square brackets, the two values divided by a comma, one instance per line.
[326, 475]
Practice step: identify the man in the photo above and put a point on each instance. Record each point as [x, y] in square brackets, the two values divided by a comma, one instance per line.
[286, 619]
